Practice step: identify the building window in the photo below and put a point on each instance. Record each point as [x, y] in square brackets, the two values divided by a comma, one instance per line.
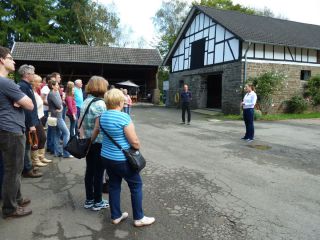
[305, 75]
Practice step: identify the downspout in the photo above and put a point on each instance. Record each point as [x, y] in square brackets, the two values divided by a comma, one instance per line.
[245, 67]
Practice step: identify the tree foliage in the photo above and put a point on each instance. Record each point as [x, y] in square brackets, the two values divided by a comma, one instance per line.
[57, 21]
[168, 21]
[313, 89]
[266, 85]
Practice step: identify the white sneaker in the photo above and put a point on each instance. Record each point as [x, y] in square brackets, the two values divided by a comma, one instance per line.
[145, 221]
[123, 217]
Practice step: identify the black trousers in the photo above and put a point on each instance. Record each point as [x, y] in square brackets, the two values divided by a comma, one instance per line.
[94, 173]
[186, 107]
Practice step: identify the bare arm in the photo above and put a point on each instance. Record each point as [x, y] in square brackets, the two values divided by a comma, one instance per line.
[96, 130]
[26, 103]
[131, 135]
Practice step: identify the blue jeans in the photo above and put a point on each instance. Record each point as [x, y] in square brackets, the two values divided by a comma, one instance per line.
[118, 170]
[93, 179]
[50, 139]
[61, 130]
[72, 125]
[248, 116]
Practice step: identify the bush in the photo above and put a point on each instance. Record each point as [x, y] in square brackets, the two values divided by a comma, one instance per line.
[313, 89]
[257, 114]
[297, 104]
[266, 84]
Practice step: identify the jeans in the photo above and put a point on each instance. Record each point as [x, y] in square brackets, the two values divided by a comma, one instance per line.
[72, 125]
[64, 111]
[185, 106]
[78, 116]
[248, 116]
[1, 174]
[27, 164]
[12, 146]
[117, 170]
[61, 128]
[50, 139]
[93, 179]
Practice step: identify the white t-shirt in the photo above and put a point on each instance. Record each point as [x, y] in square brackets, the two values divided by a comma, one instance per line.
[39, 105]
[45, 92]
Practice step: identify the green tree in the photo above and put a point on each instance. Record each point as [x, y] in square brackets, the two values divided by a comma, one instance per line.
[57, 21]
[168, 21]
[224, 4]
[28, 21]
[97, 25]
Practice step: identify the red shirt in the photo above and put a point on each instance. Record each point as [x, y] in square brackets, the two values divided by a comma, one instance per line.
[71, 104]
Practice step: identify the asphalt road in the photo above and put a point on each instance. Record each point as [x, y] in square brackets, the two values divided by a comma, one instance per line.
[201, 182]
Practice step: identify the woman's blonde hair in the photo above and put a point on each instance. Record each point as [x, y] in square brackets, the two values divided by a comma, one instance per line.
[97, 86]
[36, 79]
[114, 98]
[70, 86]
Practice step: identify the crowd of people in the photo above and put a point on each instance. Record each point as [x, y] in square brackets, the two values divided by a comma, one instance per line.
[24, 133]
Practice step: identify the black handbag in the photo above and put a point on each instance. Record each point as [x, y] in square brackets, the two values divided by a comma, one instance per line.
[136, 161]
[77, 147]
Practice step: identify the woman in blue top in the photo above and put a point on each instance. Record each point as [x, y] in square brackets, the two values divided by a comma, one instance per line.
[119, 125]
[96, 88]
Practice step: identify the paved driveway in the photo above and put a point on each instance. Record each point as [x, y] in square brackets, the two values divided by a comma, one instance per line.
[201, 182]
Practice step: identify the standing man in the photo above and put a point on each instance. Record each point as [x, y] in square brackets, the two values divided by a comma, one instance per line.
[31, 117]
[186, 97]
[78, 97]
[12, 138]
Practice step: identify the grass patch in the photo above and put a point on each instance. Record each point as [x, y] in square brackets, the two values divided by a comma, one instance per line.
[275, 117]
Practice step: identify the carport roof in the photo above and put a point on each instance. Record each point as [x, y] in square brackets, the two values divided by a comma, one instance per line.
[51, 52]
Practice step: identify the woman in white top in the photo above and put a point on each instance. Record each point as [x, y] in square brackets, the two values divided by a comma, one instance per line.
[248, 103]
[38, 154]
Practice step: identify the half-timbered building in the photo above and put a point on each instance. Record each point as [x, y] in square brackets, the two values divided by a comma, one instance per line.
[216, 50]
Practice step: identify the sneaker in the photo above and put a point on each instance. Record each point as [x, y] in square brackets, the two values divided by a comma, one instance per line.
[124, 216]
[88, 204]
[249, 140]
[100, 205]
[145, 221]
[182, 123]
[244, 138]
[188, 123]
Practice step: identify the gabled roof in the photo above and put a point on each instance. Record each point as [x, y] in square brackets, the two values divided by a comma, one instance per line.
[258, 29]
[51, 52]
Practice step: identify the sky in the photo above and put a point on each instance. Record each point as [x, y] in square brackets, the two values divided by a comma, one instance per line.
[137, 15]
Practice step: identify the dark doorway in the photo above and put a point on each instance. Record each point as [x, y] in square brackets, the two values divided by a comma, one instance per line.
[197, 54]
[214, 88]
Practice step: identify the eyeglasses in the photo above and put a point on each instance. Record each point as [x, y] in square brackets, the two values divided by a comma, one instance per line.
[10, 58]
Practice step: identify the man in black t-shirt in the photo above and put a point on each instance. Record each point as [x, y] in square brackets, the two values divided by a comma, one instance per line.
[12, 138]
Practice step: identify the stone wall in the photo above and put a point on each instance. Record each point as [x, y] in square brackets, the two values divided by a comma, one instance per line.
[291, 86]
[197, 81]
[232, 82]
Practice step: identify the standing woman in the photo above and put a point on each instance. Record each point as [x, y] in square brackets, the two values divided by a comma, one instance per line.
[72, 109]
[38, 155]
[120, 127]
[248, 103]
[95, 90]
[56, 108]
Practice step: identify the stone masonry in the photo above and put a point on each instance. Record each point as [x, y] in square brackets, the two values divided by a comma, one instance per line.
[232, 83]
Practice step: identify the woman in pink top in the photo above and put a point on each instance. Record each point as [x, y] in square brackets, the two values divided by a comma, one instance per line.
[72, 109]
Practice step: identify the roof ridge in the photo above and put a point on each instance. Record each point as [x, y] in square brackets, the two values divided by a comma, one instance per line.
[255, 15]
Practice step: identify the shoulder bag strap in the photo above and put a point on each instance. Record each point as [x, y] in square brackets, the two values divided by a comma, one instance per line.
[111, 139]
[93, 100]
